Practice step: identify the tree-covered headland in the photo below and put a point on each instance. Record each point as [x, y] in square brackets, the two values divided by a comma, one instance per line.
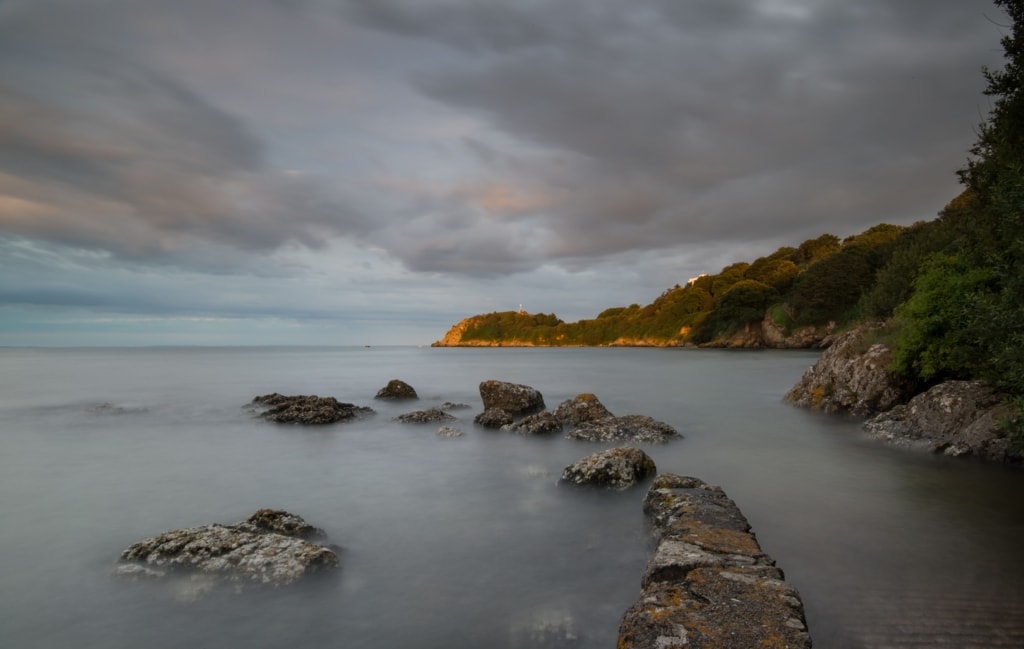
[950, 290]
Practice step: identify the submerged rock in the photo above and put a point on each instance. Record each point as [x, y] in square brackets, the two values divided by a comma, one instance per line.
[307, 409]
[448, 431]
[513, 398]
[430, 416]
[397, 389]
[615, 468]
[633, 428]
[581, 408]
[493, 418]
[270, 548]
[541, 423]
[709, 584]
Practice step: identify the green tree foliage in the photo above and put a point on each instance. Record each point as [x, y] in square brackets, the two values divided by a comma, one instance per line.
[746, 301]
[814, 250]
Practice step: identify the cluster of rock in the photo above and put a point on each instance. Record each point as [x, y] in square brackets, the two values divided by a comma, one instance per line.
[708, 583]
[584, 415]
[616, 468]
[307, 409]
[955, 417]
[270, 548]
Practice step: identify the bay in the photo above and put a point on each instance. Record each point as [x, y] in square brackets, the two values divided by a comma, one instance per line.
[468, 541]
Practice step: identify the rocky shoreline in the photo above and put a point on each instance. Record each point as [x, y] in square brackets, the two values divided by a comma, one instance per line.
[956, 418]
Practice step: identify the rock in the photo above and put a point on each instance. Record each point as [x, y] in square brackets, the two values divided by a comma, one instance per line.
[540, 423]
[513, 398]
[397, 389]
[448, 431]
[270, 548]
[448, 405]
[633, 428]
[957, 418]
[493, 418]
[846, 379]
[303, 409]
[709, 584]
[581, 408]
[430, 416]
[615, 468]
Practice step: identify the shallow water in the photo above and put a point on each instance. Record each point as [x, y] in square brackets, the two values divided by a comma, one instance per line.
[466, 541]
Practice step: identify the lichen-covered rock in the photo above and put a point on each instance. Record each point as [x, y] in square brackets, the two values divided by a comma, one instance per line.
[430, 416]
[493, 418]
[847, 380]
[307, 409]
[708, 584]
[513, 398]
[541, 423]
[581, 408]
[397, 389]
[632, 428]
[957, 418]
[270, 548]
[615, 468]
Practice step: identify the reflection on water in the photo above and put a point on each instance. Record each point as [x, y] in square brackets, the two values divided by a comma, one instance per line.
[469, 541]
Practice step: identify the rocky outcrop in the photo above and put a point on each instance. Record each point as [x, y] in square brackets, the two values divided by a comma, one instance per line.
[513, 398]
[776, 336]
[303, 409]
[581, 408]
[847, 379]
[270, 548]
[708, 583]
[397, 389]
[615, 468]
[430, 416]
[955, 418]
[631, 428]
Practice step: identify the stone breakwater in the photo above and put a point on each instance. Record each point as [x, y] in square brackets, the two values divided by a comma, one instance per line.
[708, 584]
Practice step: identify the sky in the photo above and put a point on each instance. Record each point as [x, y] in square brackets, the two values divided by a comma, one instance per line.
[254, 172]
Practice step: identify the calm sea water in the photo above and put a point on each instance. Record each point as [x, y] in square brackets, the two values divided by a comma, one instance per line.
[465, 542]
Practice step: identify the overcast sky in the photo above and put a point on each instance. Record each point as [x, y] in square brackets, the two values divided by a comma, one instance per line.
[373, 171]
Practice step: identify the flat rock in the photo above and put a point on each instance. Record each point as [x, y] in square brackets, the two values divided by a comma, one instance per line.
[513, 398]
[632, 428]
[615, 468]
[448, 431]
[270, 548]
[307, 409]
[541, 423]
[708, 583]
[397, 389]
[430, 416]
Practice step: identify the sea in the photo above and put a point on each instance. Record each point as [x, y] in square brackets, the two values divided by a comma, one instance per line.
[469, 541]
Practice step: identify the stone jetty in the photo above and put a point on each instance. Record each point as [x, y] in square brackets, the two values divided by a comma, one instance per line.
[708, 584]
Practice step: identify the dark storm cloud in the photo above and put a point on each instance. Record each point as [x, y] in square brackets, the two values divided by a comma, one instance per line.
[710, 121]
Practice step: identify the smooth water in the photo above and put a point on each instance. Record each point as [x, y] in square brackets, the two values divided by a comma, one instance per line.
[468, 541]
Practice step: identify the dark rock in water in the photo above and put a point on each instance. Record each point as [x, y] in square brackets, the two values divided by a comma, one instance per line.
[430, 416]
[615, 468]
[397, 389]
[956, 418]
[709, 584]
[581, 408]
[270, 548]
[448, 405]
[511, 397]
[632, 428]
[303, 409]
[541, 423]
[493, 418]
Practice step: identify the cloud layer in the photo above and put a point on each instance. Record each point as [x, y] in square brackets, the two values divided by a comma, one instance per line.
[473, 145]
